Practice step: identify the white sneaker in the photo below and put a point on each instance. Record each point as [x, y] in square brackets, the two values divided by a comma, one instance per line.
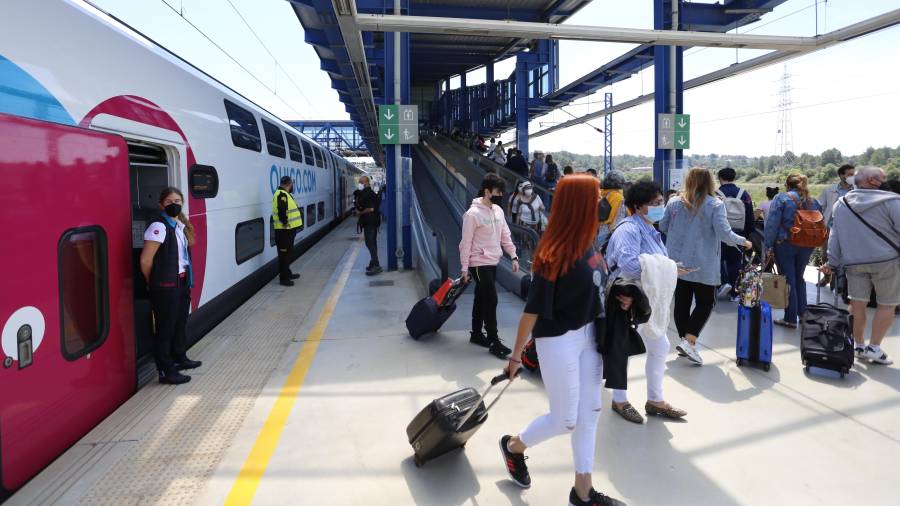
[723, 292]
[859, 351]
[689, 351]
[878, 357]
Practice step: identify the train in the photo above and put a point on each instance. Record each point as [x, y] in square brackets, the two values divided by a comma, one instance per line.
[95, 119]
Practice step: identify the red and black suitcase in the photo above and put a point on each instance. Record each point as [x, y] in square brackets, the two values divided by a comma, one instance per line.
[430, 313]
[448, 422]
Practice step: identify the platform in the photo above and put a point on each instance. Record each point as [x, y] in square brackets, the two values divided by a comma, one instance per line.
[305, 394]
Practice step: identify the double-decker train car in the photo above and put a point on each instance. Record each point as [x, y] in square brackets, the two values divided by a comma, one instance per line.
[95, 119]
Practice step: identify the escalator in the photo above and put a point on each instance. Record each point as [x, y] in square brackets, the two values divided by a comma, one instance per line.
[442, 195]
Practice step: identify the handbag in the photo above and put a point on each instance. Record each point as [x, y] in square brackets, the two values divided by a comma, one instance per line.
[775, 289]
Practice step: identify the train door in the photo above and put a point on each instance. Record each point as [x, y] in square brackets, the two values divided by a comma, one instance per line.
[67, 350]
[150, 171]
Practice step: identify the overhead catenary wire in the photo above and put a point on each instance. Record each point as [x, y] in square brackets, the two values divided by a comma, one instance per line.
[277, 62]
[232, 58]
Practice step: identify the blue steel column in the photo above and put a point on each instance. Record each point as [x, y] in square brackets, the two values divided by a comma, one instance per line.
[406, 151]
[491, 95]
[392, 172]
[521, 104]
[662, 20]
[464, 119]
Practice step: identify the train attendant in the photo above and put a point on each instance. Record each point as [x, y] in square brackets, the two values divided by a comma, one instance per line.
[287, 219]
[166, 266]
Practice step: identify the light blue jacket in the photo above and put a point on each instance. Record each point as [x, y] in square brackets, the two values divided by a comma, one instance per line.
[631, 238]
[694, 237]
[780, 217]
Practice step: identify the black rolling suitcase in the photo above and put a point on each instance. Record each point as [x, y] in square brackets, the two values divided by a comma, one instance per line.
[430, 313]
[448, 422]
[826, 337]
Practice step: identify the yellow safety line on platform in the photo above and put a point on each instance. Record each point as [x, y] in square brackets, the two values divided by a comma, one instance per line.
[251, 473]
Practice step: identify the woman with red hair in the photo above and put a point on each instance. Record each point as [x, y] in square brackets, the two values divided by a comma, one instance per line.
[564, 301]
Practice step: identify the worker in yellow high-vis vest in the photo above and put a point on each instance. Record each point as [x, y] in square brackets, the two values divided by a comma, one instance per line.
[287, 220]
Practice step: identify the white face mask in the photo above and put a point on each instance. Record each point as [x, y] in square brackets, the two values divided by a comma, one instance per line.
[527, 192]
[375, 188]
[851, 180]
[360, 186]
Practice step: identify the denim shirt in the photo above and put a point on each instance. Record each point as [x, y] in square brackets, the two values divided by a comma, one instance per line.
[780, 217]
[632, 238]
[695, 237]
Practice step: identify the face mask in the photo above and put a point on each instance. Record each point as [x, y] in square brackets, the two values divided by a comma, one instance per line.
[375, 188]
[528, 192]
[173, 210]
[850, 180]
[655, 213]
[360, 186]
[497, 199]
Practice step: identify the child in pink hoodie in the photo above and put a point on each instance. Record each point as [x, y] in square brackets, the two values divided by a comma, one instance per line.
[485, 235]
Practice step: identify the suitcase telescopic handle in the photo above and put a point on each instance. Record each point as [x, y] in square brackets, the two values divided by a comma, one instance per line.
[496, 380]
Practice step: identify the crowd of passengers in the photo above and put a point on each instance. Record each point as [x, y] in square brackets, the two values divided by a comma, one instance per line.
[610, 250]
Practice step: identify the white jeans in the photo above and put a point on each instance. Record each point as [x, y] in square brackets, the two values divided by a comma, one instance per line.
[572, 371]
[655, 369]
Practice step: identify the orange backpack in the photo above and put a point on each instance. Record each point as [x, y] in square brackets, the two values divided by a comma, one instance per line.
[809, 229]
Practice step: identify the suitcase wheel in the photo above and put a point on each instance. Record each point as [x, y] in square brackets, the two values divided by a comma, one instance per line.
[419, 462]
[766, 367]
[740, 362]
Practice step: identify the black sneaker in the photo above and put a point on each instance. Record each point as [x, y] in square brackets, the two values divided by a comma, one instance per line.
[515, 464]
[295, 276]
[187, 363]
[286, 282]
[595, 499]
[374, 270]
[479, 339]
[173, 377]
[498, 350]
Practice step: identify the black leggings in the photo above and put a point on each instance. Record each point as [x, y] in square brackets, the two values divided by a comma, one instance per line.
[686, 293]
[484, 310]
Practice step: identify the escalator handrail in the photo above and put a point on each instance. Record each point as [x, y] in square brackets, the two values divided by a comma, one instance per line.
[496, 167]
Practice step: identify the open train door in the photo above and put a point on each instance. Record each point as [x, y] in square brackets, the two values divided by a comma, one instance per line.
[67, 345]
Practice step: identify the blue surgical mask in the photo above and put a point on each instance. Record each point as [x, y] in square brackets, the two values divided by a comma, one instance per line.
[655, 213]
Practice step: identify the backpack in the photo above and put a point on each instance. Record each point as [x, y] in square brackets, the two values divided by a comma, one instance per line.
[809, 229]
[604, 209]
[735, 209]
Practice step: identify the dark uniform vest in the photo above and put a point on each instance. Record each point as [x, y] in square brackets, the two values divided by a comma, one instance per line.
[164, 273]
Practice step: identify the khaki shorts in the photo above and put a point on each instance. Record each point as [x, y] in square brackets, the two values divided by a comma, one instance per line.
[884, 277]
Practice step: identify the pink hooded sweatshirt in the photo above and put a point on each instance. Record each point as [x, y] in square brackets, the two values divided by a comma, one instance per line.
[484, 231]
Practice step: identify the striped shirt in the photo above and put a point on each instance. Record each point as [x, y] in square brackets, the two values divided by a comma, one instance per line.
[632, 238]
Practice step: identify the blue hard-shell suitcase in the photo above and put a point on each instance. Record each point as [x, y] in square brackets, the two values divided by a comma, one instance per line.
[754, 335]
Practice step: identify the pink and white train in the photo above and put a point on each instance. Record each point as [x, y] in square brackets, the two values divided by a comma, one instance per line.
[94, 120]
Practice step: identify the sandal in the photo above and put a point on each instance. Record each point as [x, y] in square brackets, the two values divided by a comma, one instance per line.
[628, 412]
[783, 323]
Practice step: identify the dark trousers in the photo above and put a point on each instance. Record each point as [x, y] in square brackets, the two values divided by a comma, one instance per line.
[703, 299]
[792, 262]
[484, 309]
[284, 241]
[170, 311]
[370, 233]
[731, 266]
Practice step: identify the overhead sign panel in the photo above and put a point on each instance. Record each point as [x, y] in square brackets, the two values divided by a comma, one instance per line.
[674, 131]
[398, 124]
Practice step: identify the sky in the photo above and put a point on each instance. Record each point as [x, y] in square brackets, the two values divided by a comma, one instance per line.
[847, 96]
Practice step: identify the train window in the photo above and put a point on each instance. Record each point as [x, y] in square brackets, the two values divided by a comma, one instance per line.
[294, 148]
[271, 232]
[311, 214]
[321, 211]
[319, 161]
[308, 152]
[244, 130]
[204, 181]
[302, 218]
[274, 140]
[83, 290]
[249, 239]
